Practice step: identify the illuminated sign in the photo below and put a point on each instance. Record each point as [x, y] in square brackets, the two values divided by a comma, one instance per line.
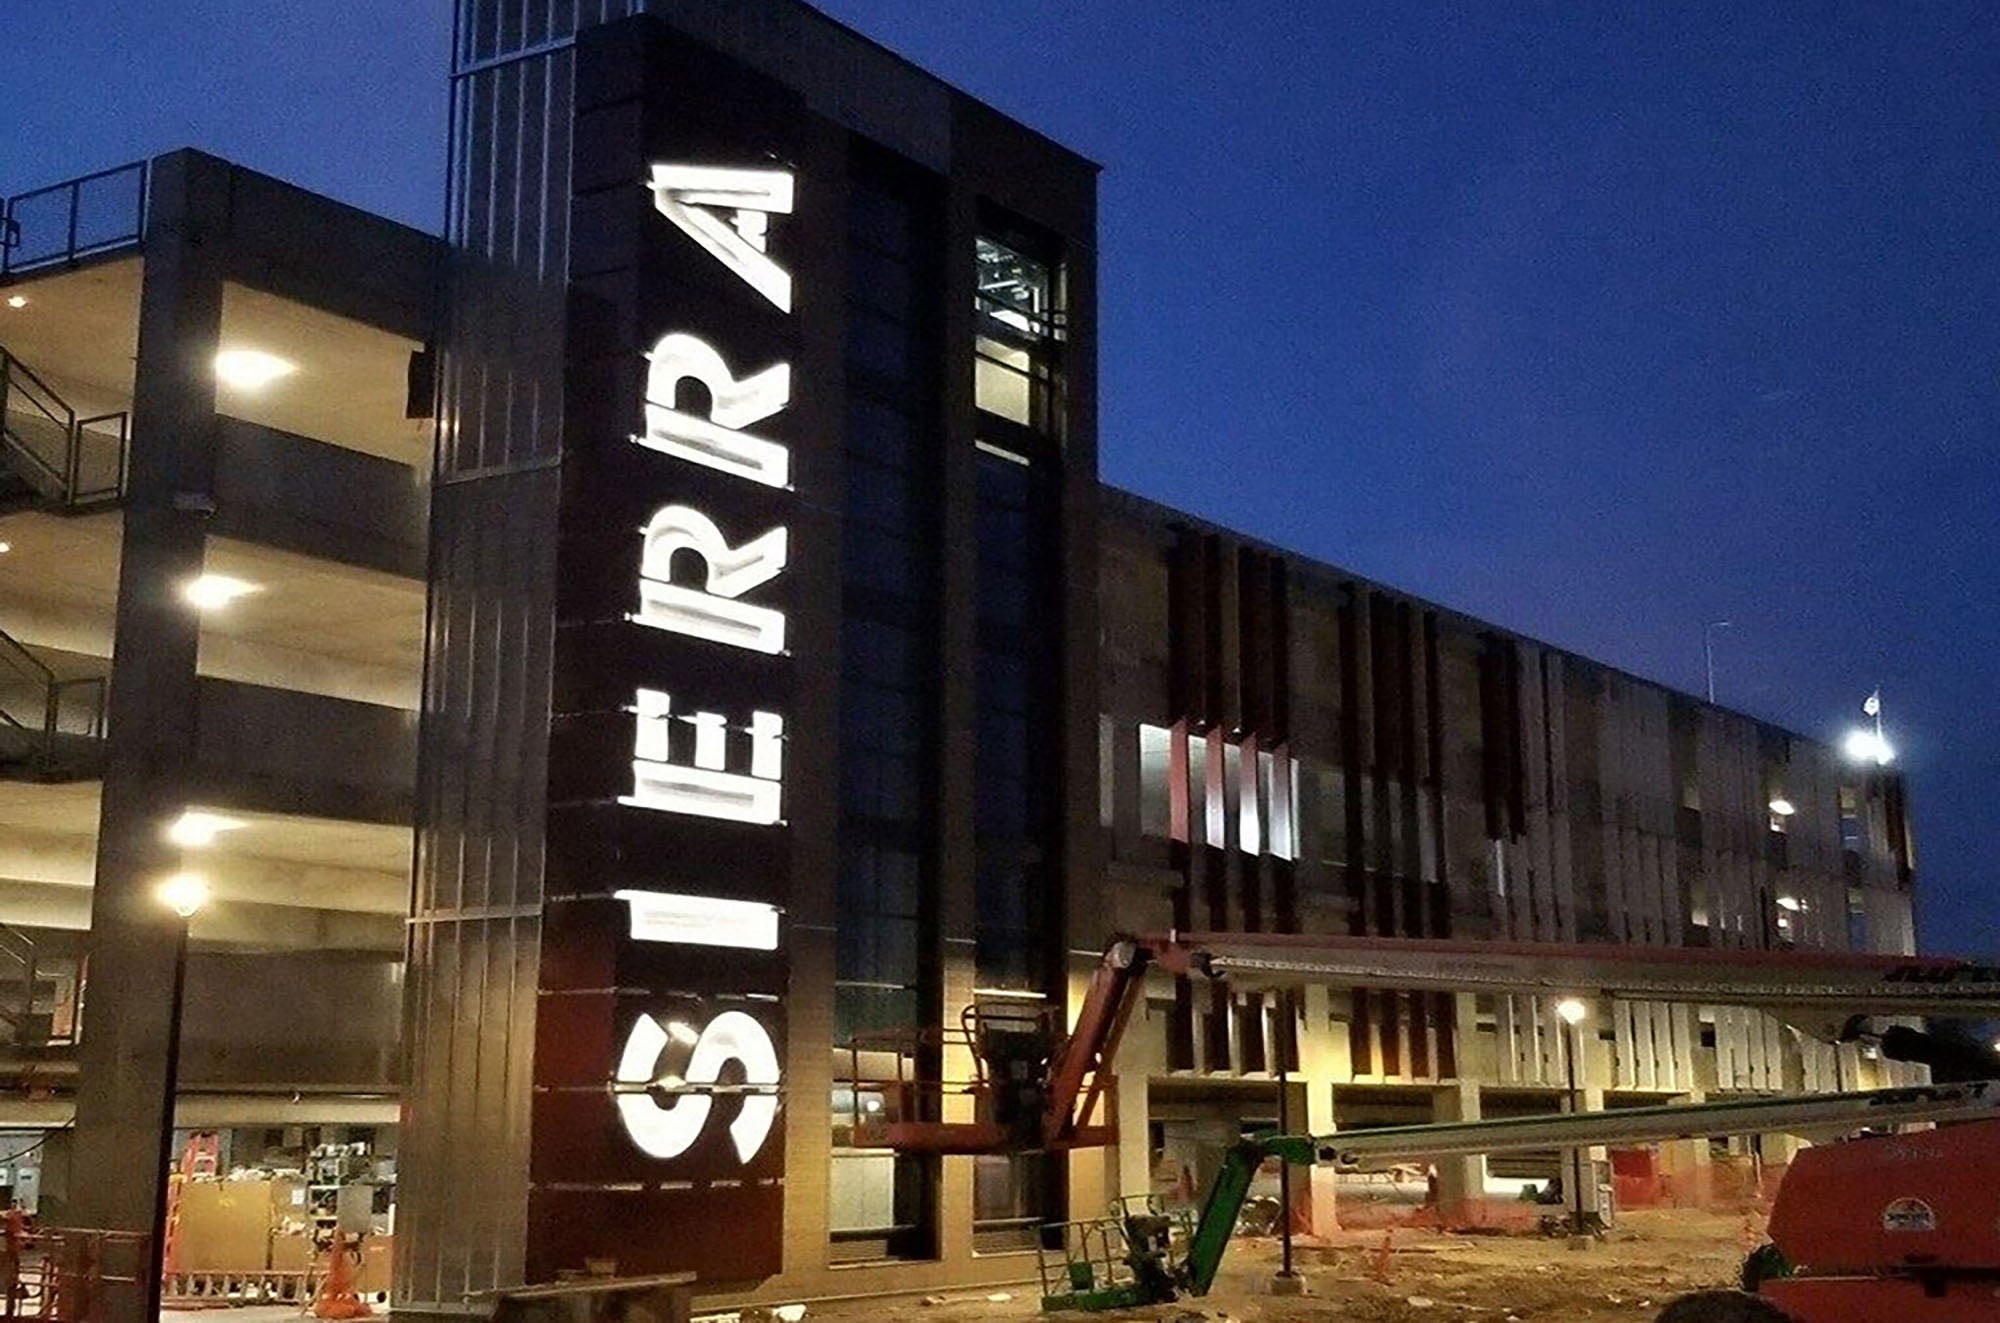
[660, 916]
[710, 611]
[728, 212]
[694, 581]
[718, 440]
[700, 786]
[669, 1129]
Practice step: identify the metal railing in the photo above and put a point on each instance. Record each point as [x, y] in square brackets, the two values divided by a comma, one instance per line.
[65, 1275]
[78, 218]
[71, 709]
[74, 464]
[36, 1020]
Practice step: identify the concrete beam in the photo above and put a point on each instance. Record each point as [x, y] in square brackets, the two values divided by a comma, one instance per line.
[46, 859]
[222, 1111]
[223, 923]
[85, 629]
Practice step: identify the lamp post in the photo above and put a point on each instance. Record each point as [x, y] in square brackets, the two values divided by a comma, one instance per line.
[1708, 651]
[185, 894]
[1573, 1013]
[1286, 1282]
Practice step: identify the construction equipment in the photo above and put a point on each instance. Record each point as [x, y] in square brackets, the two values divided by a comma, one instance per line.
[1044, 1094]
[201, 1160]
[1158, 1266]
[63, 1275]
[1895, 1229]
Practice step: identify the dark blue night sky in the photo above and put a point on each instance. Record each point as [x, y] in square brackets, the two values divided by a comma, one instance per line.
[1600, 325]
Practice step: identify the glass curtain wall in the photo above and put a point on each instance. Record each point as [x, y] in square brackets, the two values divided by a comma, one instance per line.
[885, 965]
[1016, 379]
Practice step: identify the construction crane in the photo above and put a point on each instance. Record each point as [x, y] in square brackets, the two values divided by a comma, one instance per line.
[1155, 1265]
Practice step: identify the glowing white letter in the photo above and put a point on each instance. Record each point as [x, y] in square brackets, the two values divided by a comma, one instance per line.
[669, 1130]
[710, 612]
[717, 440]
[728, 212]
[666, 916]
[702, 788]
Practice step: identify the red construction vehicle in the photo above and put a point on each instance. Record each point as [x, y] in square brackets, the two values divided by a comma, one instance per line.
[1929, 1253]
[1895, 1229]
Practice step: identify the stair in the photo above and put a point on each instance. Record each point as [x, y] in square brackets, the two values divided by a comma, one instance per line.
[50, 458]
[51, 729]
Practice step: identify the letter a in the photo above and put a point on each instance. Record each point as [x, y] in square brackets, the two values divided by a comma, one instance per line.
[727, 211]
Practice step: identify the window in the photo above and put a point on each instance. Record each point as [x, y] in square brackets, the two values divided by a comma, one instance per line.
[1267, 822]
[1156, 813]
[1015, 290]
[1851, 835]
[1009, 1196]
[1018, 329]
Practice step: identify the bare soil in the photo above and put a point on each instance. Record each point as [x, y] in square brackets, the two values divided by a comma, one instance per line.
[1423, 1277]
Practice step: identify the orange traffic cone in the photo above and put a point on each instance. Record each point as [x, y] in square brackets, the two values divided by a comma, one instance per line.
[337, 1297]
[1380, 1271]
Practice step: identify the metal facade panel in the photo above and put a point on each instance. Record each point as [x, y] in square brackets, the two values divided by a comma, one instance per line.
[482, 773]
[847, 79]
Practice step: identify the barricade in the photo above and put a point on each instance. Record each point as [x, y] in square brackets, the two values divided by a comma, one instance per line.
[70, 1274]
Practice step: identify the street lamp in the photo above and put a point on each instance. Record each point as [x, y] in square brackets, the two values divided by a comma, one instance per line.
[1865, 745]
[1573, 1013]
[1708, 651]
[185, 894]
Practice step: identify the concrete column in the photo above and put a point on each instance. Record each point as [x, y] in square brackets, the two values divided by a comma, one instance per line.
[1091, 1174]
[1775, 1152]
[1139, 1056]
[1593, 1101]
[1300, 1210]
[122, 1104]
[1461, 1182]
[955, 1203]
[1685, 1163]
[57, 1155]
[809, 1075]
[1323, 1060]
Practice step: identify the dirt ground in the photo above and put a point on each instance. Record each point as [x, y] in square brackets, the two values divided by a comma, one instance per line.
[1425, 1277]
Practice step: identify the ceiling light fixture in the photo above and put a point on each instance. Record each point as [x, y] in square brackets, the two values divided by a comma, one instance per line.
[17, 300]
[251, 369]
[208, 592]
[195, 829]
[6, 547]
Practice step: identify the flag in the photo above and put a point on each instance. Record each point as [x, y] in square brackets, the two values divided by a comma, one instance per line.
[1872, 705]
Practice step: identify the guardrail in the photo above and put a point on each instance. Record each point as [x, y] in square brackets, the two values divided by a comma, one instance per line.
[64, 716]
[78, 218]
[75, 464]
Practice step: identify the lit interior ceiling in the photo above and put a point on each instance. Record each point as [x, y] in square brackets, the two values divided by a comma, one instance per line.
[351, 384]
[313, 625]
[79, 332]
[319, 607]
[271, 858]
